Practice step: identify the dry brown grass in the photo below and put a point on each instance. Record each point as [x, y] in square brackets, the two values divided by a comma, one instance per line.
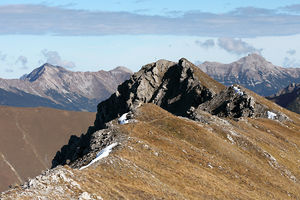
[30, 137]
[167, 157]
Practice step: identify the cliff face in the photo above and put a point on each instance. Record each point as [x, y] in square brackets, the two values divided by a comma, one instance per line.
[180, 88]
[173, 86]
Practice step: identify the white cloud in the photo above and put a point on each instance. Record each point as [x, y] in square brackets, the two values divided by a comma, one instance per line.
[291, 62]
[55, 20]
[2, 56]
[236, 46]
[54, 58]
[206, 44]
[292, 8]
[23, 61]
[291, 52]
[9, 70]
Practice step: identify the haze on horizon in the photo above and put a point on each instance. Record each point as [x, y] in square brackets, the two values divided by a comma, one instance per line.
[93, 35]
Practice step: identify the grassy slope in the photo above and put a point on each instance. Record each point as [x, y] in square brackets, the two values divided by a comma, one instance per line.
[167, 157]
[30, 137]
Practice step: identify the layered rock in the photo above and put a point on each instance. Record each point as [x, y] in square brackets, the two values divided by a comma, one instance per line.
[176, 87]
[180, 88]
[173, 86]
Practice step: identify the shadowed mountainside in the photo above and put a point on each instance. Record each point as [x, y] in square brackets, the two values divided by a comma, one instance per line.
[288, 97]
[30, 137]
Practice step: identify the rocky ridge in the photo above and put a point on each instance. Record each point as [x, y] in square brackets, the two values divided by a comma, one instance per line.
[162, 156]
[180, 88]
[221, 144]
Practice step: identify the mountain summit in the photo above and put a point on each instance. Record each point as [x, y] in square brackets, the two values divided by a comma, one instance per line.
[181, 89]
[172, 132]
[44, 70]
[57, 87]
[254, 73]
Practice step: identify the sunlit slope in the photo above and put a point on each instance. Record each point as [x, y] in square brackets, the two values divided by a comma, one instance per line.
[169, 157]
[30, 137]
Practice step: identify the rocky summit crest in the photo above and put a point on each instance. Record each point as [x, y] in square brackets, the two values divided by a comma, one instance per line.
[172, 132]
[180, 88]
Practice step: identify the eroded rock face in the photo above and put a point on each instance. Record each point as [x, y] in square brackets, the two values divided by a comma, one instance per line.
[172, 86]
[179, 88]
[235, 102]
[81, 150]
[231, 103]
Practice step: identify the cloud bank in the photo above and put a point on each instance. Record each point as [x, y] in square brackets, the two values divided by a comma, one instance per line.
[291, 52]
[206, 44]
[54, 58]
[237, 46]
[242, 22]
[2, 56]
[23, 61]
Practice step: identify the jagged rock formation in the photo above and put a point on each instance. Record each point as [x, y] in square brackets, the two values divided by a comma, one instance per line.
[200, 141]
[180, 88]
[252, 72]
[173, 86]
[288, 97]
[57, 87]
[176, 87]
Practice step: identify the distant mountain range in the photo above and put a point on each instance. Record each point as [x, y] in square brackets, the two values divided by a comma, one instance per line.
[288, 97]
[173, 132]
[57, 87]
[254, 73]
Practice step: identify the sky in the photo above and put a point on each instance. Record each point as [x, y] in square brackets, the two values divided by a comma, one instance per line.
[92, 35]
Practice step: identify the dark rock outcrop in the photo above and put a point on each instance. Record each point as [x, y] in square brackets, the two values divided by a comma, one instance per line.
[172, 86]
[235, 102]
[176, 87]
[232, 102]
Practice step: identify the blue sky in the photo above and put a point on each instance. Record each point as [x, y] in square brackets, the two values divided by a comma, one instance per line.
[93, 35]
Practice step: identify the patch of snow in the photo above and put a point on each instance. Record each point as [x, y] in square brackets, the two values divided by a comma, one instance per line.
[102, 154]
[123, 119]
[234, 133]
[238, 90]
[230, 139]
[271, 115]
[84, 196]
